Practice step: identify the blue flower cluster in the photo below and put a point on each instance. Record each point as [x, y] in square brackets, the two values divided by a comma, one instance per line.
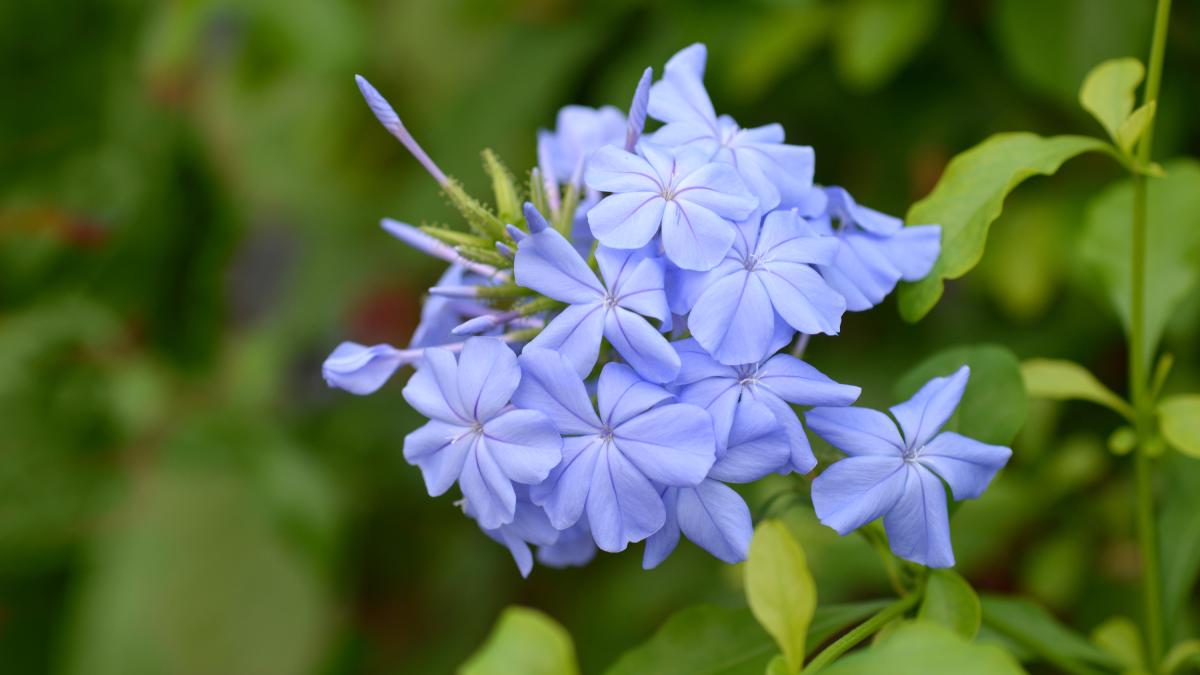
[644, 365]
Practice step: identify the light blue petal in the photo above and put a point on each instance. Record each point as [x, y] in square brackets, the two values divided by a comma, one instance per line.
[858, 490]
[799, 383]
[437, 318]
[964, 463]
[575, 333]
[627, 220]
[611, 169]
[719, 397]
[918, 527]
[694, 237]
[803, 298]
[843, 207]
[717, 188]
[641, 345]
[433, 389]
[802, 458]
[788, 167]
[715, 518]
[525, 444]
[642, 290]
[786, 238]
[485, 487]
[923, 415]
[487, 376]
[856, 431]
[734, 319]
[564, 492]
[439, 450]
[661, 544]
[690, 60]
[573, 548]
[672, 444]
[696, 364]
[622, 395]
[550, 384]
[548, 264]
[622, 506]
[680, 97]
[862, 285]
[914, 250]
[758, 445]
[359, 369]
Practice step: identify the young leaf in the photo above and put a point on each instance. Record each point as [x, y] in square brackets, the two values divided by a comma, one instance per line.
[1172, 244]
[1108, 92]
[1063, 380]
[1034, 628]
[780, 589]
[950, 601]
[1119, 637]
[1179, 417]
[873, 39]
[925, 647]
[994, 404]
[970, 195]
[524, 641]
[1131, 130]
[716, 640]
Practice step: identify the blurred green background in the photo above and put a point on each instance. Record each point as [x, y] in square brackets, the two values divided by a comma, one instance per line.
[189, 199]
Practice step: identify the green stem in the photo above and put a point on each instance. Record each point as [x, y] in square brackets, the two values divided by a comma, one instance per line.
[862, 631]
[1138, 380]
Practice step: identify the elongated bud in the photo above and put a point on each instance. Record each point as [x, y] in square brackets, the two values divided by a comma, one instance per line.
[455, 291]
[637, 110]
[362, 370]
[430, 246]
[516, 233]
[534, 219]
[505, 250]
[480, 324]
[391, 121]
[547, 170]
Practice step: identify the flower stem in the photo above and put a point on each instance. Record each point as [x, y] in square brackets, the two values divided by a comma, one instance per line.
[1138, 380]
[862, 631]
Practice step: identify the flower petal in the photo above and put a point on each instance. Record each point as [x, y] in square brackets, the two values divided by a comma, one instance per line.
[622, 505]
[573, 548]
[857, 490]
[642, 289]
[672, 444]
[914, 250]
[575, 333]
[694, 237]
[564, 492]
[525, 444]
[696, 364]
[611, 169]
[797, 382]
[758, 445]
[786, 238]
[641, 345]
[622, 395]
[964, 463]
[719, 397]
[627, 219]
[439, 450]
[680, 97]
[548, 264]
[718, 188]
[856, 431]
[918, 527]
[923, 415]
[433, 389]
[487, 376]
[359, 369]
[733, 320]
[485, 487]
[802, 458]
[661, 544]
[803, 298]
[550, 384]
[715, 518]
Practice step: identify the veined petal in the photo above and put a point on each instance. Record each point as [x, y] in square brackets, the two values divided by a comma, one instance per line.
[923, 415]
[843, 207]
[694, 237]
[718, 188]
[689, 60]
[439, 455]
[525, 444]
[643, 290]
[622, 395]
[784, 237]
[680, 97]
[622, 505]
[716, 519]
[672, 444]
[733, 320]
[575, 333]
[856, 431]
[964, 463]
[860, 282]
[573, 548]
[641, 345]
[802, 458]
[758, 445]
[757, 179]
[485, 487]
[918, 527]
[433, 389]
[548, 264]
[627, 219]
[611, 169]
[431, 437]
[564, 492]
[487, 376]
[550, 384]
[697, 364]
[857, 490]
[914, 250]
[803, 299]
[790, 167]
[719, 396]
[661, 544]
[359, 369]
[677, 134]
[797, 382]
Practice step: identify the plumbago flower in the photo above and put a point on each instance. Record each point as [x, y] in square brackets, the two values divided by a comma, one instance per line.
[613, 462]
[678, 191]
[898, 473]
[578, 133]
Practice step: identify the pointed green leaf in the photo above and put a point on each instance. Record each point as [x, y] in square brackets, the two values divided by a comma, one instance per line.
[1035, 629]
[708, 639]
[919, 647]
[1108, 92]
[1179, 417]
[950, 601]
[1131, 130]
[524, 641]
[1064, 380]
[1119, 637]
[1172, 244]
[970, 196]
[780, 589]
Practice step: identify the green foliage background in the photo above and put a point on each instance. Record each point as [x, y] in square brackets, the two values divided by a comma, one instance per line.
[189, 198]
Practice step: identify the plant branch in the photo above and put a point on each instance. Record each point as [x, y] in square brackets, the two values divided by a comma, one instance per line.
[862, 631]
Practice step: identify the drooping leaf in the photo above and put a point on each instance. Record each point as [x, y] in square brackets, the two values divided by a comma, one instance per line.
[780, 589]
[524, 641]
[1179, 418]
[921, 647]
[970, 196]
[1119, 636]
[1031, 626]
[1179, 531]
[994, 404]
[1108, 92]
[716, 640]
[1063, 380]
[873, 39]
[1172, 244]
[950, 601]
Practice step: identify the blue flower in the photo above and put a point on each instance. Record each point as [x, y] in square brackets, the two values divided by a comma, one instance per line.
[777, 174]
[876, 251]
[730, 393]
[613, 463]
[613, 309]
[680, 192]
[474, 438]
[362, 370]
[898, 473]
[579, 132]
[766, 279]
[573, 548]
[528, 526]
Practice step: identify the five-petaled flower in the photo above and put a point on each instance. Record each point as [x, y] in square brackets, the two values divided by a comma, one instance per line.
[898, 473]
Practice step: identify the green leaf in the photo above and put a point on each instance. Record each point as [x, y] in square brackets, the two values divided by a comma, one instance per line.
[1119, 637]
[1179, 417]
[994, 404]
[1180, 533]
[1172, 244]
[921, 647]
[780, 589]
[778, 666]
[702, 639]
[874, 39]
[1108, 92]
[1131, 130]
[1122, 441]
[1031, 626]
[970, 196]
[524, 641]
[950, 601]
[1064, 380]
[1183, 654]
